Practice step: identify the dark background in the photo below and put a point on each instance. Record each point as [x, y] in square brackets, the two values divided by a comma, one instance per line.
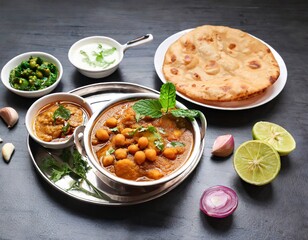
[31, 209]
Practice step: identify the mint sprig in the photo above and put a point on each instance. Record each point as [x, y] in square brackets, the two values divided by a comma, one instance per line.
[166, 103]
[167, 97]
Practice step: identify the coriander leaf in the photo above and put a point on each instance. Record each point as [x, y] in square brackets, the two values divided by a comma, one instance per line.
[72, 164]
[159, 144]
[65, 129]
[148, 107]
[152, 129]
[99, 57]
[107, 52]
[62, 112]
[59, 169]
[167, 96]
[115, 129]
[58, 174]
[190, 114]
[177, 144]
[110, 151]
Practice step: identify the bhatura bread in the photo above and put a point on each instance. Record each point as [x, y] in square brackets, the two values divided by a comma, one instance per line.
[217, 63]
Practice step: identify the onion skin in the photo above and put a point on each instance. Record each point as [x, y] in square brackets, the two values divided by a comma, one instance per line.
[223, 146]
[218, 201]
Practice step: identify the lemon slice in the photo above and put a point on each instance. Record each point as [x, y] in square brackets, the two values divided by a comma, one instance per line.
[256, 162]
[275, 135]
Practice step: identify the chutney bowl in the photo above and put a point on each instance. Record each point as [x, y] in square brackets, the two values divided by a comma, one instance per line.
[41, 103]
[14, 62]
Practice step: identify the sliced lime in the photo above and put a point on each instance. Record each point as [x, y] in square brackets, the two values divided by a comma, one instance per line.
[256, 162]
[275, 135]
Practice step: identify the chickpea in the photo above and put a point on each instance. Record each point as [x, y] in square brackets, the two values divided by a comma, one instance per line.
[102, 134]
[150, 154]
[120, 153]
[154, 174]
[111, 122]
[119, 140]
[177, 133]
[107, 160]
[170, 153]
[143, 142]
[139, 157]
[132, 149]
[127, 132]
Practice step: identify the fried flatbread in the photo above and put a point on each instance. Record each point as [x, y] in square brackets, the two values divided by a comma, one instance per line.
[217, 63]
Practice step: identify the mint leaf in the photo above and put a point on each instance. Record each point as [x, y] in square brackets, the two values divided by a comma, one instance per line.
[190, 114]
[61, 112]
[148, 107]
[167, 96]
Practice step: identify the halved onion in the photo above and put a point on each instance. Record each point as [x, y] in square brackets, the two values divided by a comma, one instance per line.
[218, 201]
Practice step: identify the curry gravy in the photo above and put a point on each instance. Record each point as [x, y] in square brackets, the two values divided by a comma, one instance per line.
[49, 129]
[142, 151]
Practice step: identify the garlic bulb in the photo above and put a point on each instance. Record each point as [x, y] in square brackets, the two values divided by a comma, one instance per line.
[9, 116]
[7, 151]
[223, 146]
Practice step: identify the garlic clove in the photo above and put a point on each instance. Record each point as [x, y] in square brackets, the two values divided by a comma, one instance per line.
[7, 151]
[9, 116]
[1, 141]
[223, 146]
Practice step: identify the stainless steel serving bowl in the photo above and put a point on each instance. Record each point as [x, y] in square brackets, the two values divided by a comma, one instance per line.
[123, 184]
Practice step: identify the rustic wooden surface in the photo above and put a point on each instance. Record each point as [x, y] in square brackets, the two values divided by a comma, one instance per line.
[31, 209]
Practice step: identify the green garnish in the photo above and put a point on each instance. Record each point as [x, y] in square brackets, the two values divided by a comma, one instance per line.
[167, 96]
[65, 129]
[70, 164]
[33, 74]
[155, 108]
[110, 151]
[61, 112]
[148, 107]
[115, 129]
[99, 57]
[190, 114]
[177, 144]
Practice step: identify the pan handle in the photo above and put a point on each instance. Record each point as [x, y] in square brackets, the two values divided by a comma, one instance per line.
[203, 124]
[79, 131]
[138, 41]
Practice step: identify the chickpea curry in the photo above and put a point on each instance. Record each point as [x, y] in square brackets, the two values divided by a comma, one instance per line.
[140, 149]
[57, 121]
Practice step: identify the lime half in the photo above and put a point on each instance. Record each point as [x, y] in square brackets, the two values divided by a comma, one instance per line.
[256, 162]
[275, 135]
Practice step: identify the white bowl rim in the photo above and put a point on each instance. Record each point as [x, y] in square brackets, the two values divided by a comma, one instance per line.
[36, 54]
[70, 52]
[61, 95]
[87, 135]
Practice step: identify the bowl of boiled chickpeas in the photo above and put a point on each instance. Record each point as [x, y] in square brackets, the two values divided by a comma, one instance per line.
[139, 150]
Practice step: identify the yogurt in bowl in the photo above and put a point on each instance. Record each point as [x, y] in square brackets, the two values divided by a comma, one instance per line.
[100, 56]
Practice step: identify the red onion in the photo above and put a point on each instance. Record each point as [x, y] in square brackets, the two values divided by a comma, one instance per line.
[218, 201]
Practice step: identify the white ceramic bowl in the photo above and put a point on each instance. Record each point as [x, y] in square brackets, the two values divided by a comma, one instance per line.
[124, 184]
[97, 72]
[14, 62]
[51, 98]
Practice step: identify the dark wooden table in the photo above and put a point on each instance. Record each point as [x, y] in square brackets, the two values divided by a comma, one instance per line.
[31, 209]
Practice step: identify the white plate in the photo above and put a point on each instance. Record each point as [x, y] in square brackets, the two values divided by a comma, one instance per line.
[267, 96]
